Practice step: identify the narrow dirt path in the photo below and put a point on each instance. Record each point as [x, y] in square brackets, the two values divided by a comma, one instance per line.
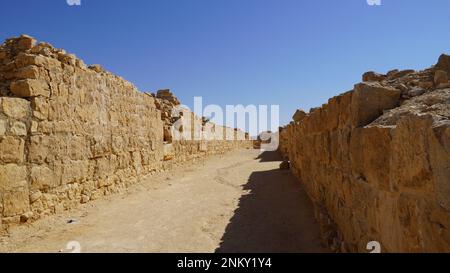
[232, 203]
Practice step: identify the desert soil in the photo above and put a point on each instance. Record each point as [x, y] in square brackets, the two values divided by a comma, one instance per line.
[238, 202]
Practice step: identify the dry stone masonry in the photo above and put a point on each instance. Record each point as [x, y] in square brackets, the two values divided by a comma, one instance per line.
[70, 133]
[376, 161]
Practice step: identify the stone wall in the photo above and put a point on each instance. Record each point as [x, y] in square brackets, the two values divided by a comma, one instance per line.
[376, 162]
[14, 190]
[70, 133]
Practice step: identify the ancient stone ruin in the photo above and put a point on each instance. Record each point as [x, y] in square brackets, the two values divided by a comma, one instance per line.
[71, 133]
[376, 161]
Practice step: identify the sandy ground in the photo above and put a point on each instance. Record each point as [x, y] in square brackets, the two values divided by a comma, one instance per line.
[239, 202]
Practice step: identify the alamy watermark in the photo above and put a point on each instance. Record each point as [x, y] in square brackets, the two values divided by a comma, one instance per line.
[78, 2]
[374, 247]
[72, 247]
[212, 122]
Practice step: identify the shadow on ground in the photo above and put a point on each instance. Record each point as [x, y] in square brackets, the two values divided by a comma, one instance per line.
[269, 157]
[276, 216]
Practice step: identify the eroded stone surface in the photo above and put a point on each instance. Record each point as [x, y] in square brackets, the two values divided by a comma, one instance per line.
[376, 162]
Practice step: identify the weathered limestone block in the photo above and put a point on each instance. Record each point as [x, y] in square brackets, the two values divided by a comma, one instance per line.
[78, 148]
[107, 181]
[331, 114]
[28, 72]
[35, 196]
[123, 160]
[388, 221]
[40, 106]
[362, 200]
[34, 127]
[30, 88]
[43, 127]
[3, 124]
[43, 178]
[11, 149]
[103, 167]
[424, 85]
[299, 115]
[75, 171]
[369, 162]
[412, 214]
[69, 59]
[147, 157]
[100, 145]
[410, 165]
[137, 162]
[3, 55]
[310, 123]
[16, 202]
[356, 154]
[376, 146]
[3, 127]
[344, 113]
[369, 100]
[443, 63]
[436, 228]
[440, 77]
[64, 127]
[25, 59]
[25, 42]
[118, 144]
[372, 77]
[440, 162]
[18, 128]
[46, 149]
[399, 74]
[97, 68]
[15, 108]
[12, 176]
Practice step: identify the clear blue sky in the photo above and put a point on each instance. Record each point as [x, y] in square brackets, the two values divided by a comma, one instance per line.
[293, 53]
